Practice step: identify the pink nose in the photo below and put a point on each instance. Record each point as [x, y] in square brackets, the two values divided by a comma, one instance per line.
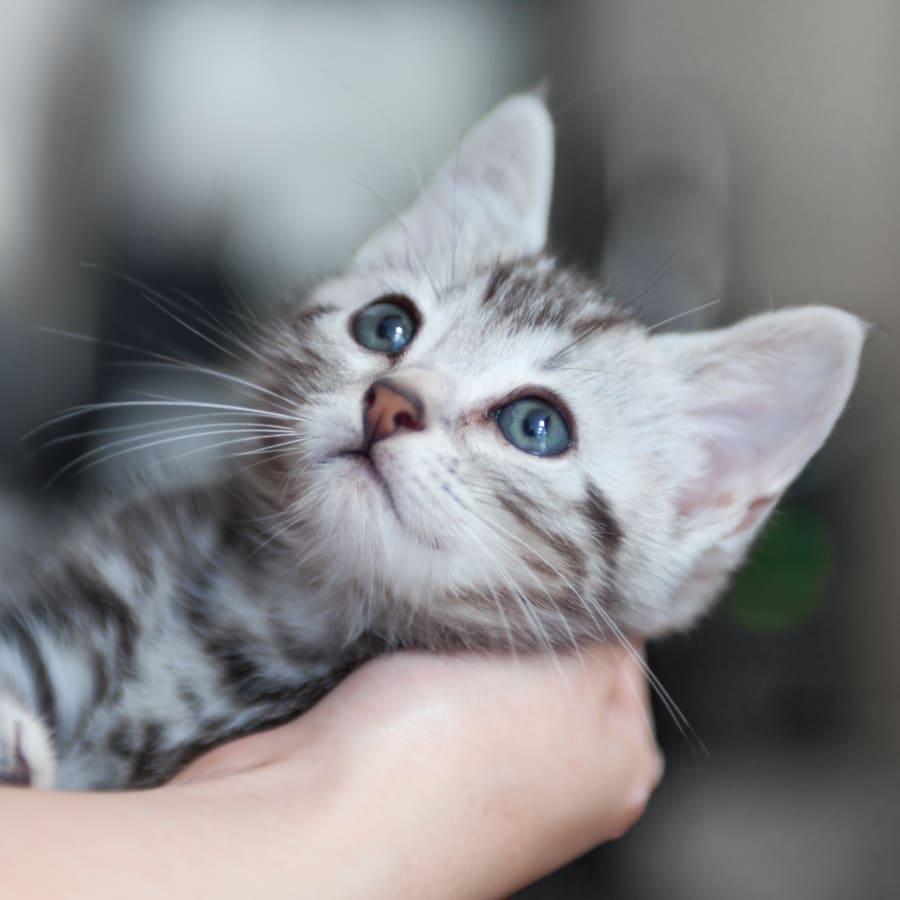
[387, 408]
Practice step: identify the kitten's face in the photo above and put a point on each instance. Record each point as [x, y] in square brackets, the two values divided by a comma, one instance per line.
[491, 453]
[466, 509]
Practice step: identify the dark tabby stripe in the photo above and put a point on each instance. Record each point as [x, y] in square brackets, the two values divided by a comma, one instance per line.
[605, 529]
[107, 608]
[121, 741]
[101, 677]
[145, 765]
[14, 631]
[584, 328]
[243, 677]
[20, 773]
[516, 504]
[499, 277]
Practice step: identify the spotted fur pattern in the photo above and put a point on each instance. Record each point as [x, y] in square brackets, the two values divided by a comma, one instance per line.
[173, 620]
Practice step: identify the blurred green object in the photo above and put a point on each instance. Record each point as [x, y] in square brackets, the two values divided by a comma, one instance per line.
[782, 585]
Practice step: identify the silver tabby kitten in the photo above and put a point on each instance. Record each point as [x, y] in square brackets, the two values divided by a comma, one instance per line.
[461, 445]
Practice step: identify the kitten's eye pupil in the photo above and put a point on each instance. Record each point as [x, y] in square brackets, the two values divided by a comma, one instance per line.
[534, 425]
[387, 325]
[392, 330]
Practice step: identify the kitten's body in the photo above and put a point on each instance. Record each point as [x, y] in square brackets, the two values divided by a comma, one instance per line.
[151, 636]
[389, 505]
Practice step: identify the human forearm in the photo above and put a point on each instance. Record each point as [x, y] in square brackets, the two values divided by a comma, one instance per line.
[419, 777]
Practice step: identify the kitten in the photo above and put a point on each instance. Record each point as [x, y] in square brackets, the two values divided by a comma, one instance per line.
[460, 444]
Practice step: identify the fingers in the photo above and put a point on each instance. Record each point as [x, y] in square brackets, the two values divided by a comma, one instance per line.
[560, 749]
[564, 707]
[630, 732]
[603, 765]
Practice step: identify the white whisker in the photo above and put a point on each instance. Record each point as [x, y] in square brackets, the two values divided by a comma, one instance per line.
[681, 315]
[105, 405]
[251, 434]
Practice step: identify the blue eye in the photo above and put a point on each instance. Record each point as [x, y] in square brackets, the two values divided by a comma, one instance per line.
[535, 426]
[387, 325]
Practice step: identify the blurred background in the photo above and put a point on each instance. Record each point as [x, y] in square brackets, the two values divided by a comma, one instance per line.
[715, 158]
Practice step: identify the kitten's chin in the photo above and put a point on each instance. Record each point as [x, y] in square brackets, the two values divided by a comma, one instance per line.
[360, 476]
[364, 495]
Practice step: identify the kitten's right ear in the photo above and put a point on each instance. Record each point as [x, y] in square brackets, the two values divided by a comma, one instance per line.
[490, 200]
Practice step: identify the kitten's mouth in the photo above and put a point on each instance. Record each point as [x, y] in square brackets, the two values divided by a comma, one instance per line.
[365, 461]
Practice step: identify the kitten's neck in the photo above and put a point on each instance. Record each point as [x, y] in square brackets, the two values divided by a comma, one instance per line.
[261, 560]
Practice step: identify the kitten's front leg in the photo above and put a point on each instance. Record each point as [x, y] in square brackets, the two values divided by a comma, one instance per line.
[26, 750]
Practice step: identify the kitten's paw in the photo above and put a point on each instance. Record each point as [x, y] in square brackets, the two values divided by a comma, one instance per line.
[26, 752]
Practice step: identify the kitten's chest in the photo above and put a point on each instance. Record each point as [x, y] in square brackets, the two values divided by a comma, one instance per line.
[188, 689]
[209, 643]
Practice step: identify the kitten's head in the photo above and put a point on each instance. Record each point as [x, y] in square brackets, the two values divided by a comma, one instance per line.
[490, 451]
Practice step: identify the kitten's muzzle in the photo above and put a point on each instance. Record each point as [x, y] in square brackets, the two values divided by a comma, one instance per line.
[389, 408]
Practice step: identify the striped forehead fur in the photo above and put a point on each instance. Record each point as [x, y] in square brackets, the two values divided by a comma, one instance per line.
[537, 293]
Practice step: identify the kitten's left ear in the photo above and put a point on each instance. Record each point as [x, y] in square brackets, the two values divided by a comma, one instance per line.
[489, 201]
[762, 397]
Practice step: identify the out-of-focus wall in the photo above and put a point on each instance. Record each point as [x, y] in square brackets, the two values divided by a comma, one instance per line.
[296, 124]
[53, 83]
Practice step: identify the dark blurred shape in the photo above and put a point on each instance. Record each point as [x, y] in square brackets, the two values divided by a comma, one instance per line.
[666, 169]
[784, 582]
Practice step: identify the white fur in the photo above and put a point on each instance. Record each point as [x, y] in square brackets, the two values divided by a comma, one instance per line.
[23, 733]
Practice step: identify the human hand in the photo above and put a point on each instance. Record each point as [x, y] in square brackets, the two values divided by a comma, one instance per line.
[449, 776]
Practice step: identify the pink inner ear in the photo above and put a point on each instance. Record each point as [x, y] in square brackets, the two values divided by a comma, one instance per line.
[743, 459]
[714, 494]
[713, 488]
[756, 511]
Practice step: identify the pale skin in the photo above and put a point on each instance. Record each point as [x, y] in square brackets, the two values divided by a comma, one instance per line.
[420, 776]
